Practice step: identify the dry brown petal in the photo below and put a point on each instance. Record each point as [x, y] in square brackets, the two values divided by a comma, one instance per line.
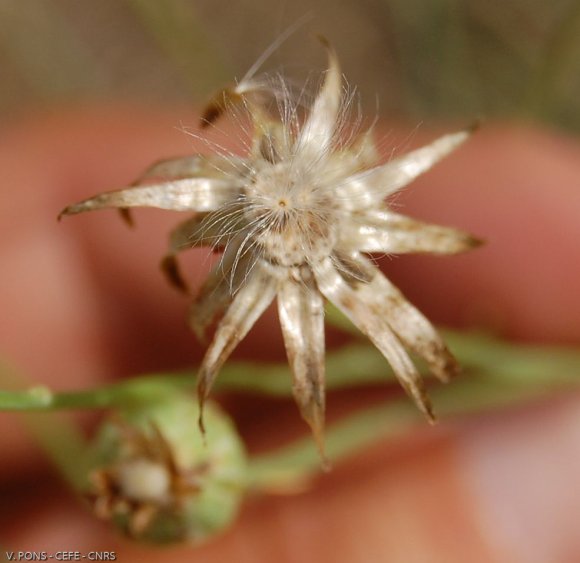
[301, 312]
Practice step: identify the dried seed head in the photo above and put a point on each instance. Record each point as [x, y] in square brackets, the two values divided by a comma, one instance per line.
[156, 480]
[296, 218]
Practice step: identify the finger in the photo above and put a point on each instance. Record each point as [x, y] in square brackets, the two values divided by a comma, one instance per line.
[52, 294]
[61, 326]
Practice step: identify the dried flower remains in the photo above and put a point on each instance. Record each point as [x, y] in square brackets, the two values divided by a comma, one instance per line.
[157, 479]
[296, 218]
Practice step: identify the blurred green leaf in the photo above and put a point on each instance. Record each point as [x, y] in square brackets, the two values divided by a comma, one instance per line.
[46, 51]
[179, 34]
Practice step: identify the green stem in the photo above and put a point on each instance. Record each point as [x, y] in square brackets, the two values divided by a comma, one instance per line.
[356, 364]
[56, 434]
[487, 355]
[287, 468]
[496, 375]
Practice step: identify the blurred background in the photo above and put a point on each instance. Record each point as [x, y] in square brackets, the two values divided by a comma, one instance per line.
[417, 59]
[410, 60]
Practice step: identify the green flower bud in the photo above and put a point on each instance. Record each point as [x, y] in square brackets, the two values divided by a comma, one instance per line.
[158, 479]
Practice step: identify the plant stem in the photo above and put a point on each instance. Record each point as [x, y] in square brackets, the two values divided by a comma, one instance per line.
[56, 434]
[344, 366]
[287, 469]
[353, 365]
[496, 375]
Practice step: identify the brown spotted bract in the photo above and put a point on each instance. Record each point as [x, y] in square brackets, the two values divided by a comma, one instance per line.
[296, 218]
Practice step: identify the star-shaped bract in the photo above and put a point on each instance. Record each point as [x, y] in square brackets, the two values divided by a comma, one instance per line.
[296, 218]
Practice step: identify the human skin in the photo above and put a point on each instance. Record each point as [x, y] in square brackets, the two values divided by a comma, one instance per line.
[83, 303]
